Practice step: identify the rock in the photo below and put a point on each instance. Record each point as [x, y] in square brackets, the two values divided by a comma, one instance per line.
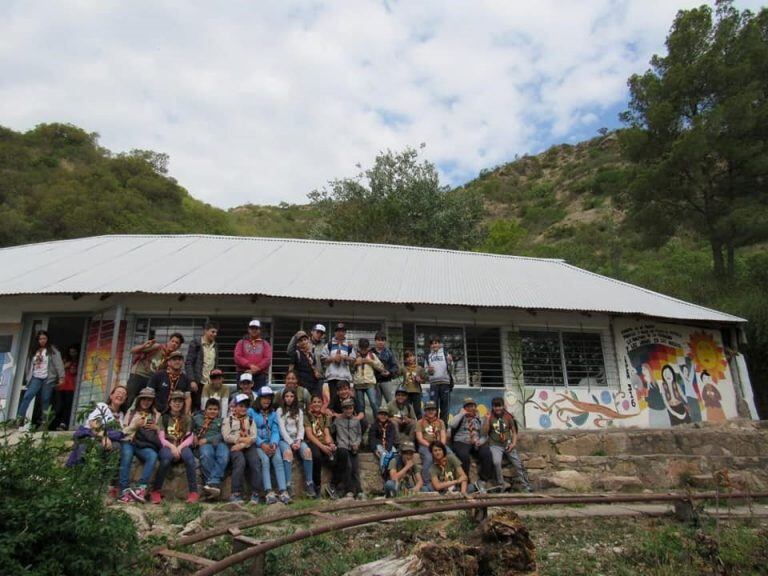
[389, 566]
[138, 518]
[621, 483]
[224, 517]
[568, 479]
[191, 528]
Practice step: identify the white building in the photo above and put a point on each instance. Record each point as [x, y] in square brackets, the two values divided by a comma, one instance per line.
[566, 347]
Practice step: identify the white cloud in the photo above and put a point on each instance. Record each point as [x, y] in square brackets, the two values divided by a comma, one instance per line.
[264, 102]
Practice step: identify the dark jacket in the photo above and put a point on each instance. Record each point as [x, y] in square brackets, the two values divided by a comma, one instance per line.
[382, 436]
[389, 360]
[193, 366]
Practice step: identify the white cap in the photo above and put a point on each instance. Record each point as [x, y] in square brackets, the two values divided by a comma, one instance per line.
[246, 376]
[241, 398]
[319, 327]
[266, 391]
[254, 324]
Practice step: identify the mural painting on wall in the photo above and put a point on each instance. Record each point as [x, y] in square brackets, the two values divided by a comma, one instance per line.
[680, 374]
[8, 340]
[669, 375]
[93, 384]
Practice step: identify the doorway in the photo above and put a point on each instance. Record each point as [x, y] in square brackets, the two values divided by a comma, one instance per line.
[65, 333]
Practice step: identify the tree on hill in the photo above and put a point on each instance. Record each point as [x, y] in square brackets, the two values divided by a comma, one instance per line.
[57, 182]
[398, 201]
[697, 126]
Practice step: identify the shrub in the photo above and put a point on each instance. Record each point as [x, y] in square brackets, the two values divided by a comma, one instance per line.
[53, 520]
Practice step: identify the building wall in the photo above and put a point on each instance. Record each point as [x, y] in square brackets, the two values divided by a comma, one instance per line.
[618, 397]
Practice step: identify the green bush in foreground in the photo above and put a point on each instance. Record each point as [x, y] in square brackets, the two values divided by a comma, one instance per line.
[53, 520]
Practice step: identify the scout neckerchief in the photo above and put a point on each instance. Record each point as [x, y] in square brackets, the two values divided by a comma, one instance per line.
[383, 427]
[472, 428]
[173, 380]
[431, 427]
[265, 415]
[206, 424]
[447, 475]
[243, 429]
[500, 427]
[176, 430]
[317, 421]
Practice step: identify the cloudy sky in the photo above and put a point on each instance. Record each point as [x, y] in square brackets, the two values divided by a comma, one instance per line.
[263, 102]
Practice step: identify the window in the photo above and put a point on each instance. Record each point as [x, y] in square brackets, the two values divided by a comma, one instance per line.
[562, 358]
[484, 357]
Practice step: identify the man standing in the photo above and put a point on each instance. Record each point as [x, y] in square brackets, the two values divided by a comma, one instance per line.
[385, 380]
[439, 366]
[338, 356]
[148, 358]
[254, 354]
[316, 343]
[201, 359]
[169, 380]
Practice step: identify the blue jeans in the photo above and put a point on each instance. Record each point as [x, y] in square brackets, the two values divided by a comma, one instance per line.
[146, 455]
[166, 460]
[277, 465]
[306, 459]
[391, 488]
[34, 386]
[441, 393]
[213, 462]
[372, 398]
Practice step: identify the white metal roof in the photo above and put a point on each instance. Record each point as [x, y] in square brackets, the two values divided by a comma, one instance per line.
[279, 267]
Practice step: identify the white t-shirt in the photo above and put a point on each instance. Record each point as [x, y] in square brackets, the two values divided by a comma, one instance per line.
[103, 413]
[40, 364]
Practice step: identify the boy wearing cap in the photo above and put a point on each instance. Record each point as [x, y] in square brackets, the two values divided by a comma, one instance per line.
[146, 359]
[216, 389]
[349, 436]
[169, 380]
[316, 343]
[201, 358]
[468, 439]
[338, 355]
[383, 439]
[403, 414]
[176, 439]
[366, 366]
[385, 380]
[501, 428]
[304, 363]
[254, 354]
[405, 476]
[244, 386]
[429, 429]
[213, 451]
[239, 432]
[439, 366]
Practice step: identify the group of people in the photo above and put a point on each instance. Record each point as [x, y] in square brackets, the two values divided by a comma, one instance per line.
[180, 410]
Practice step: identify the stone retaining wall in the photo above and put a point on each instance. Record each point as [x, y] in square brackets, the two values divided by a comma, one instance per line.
[614, 460]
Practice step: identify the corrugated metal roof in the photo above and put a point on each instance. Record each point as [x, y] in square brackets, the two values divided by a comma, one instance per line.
[279, 267]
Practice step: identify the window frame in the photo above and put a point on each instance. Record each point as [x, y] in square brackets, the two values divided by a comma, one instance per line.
[560, 332]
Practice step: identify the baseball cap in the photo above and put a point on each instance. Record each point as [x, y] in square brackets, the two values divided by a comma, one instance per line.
[407, 446]
[147, 393]
[266, 391]
[468, 401]
[175, 354]
[254, 324]
[177, 395]
[319, 327]
[347, 403]
[383, 410]
[240, 398]
[430, 405]
[340, 326]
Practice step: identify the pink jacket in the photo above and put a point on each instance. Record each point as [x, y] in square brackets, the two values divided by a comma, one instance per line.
[248, 352]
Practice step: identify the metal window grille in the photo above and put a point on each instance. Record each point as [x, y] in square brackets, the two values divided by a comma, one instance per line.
[562, 358]
[484, 359]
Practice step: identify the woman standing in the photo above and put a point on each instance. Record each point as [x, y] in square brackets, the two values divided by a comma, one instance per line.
[44, 371]
[65, 393]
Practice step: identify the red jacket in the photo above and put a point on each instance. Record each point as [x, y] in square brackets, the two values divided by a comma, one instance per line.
[248, 352]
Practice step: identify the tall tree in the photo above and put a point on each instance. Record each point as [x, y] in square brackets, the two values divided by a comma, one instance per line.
[399, 200]
[697, 125]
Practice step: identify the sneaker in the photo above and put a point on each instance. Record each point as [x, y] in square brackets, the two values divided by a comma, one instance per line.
[330, 491]
[212, 491]
[125, 497]
[139, 494]
[237, 499]
[114, 492]
[255, 499]
[289, 489]
[271, 498]
[309, 490]
[192, 498]
[359, 496]
[155, 497]
[285, 498]
[349, 495]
